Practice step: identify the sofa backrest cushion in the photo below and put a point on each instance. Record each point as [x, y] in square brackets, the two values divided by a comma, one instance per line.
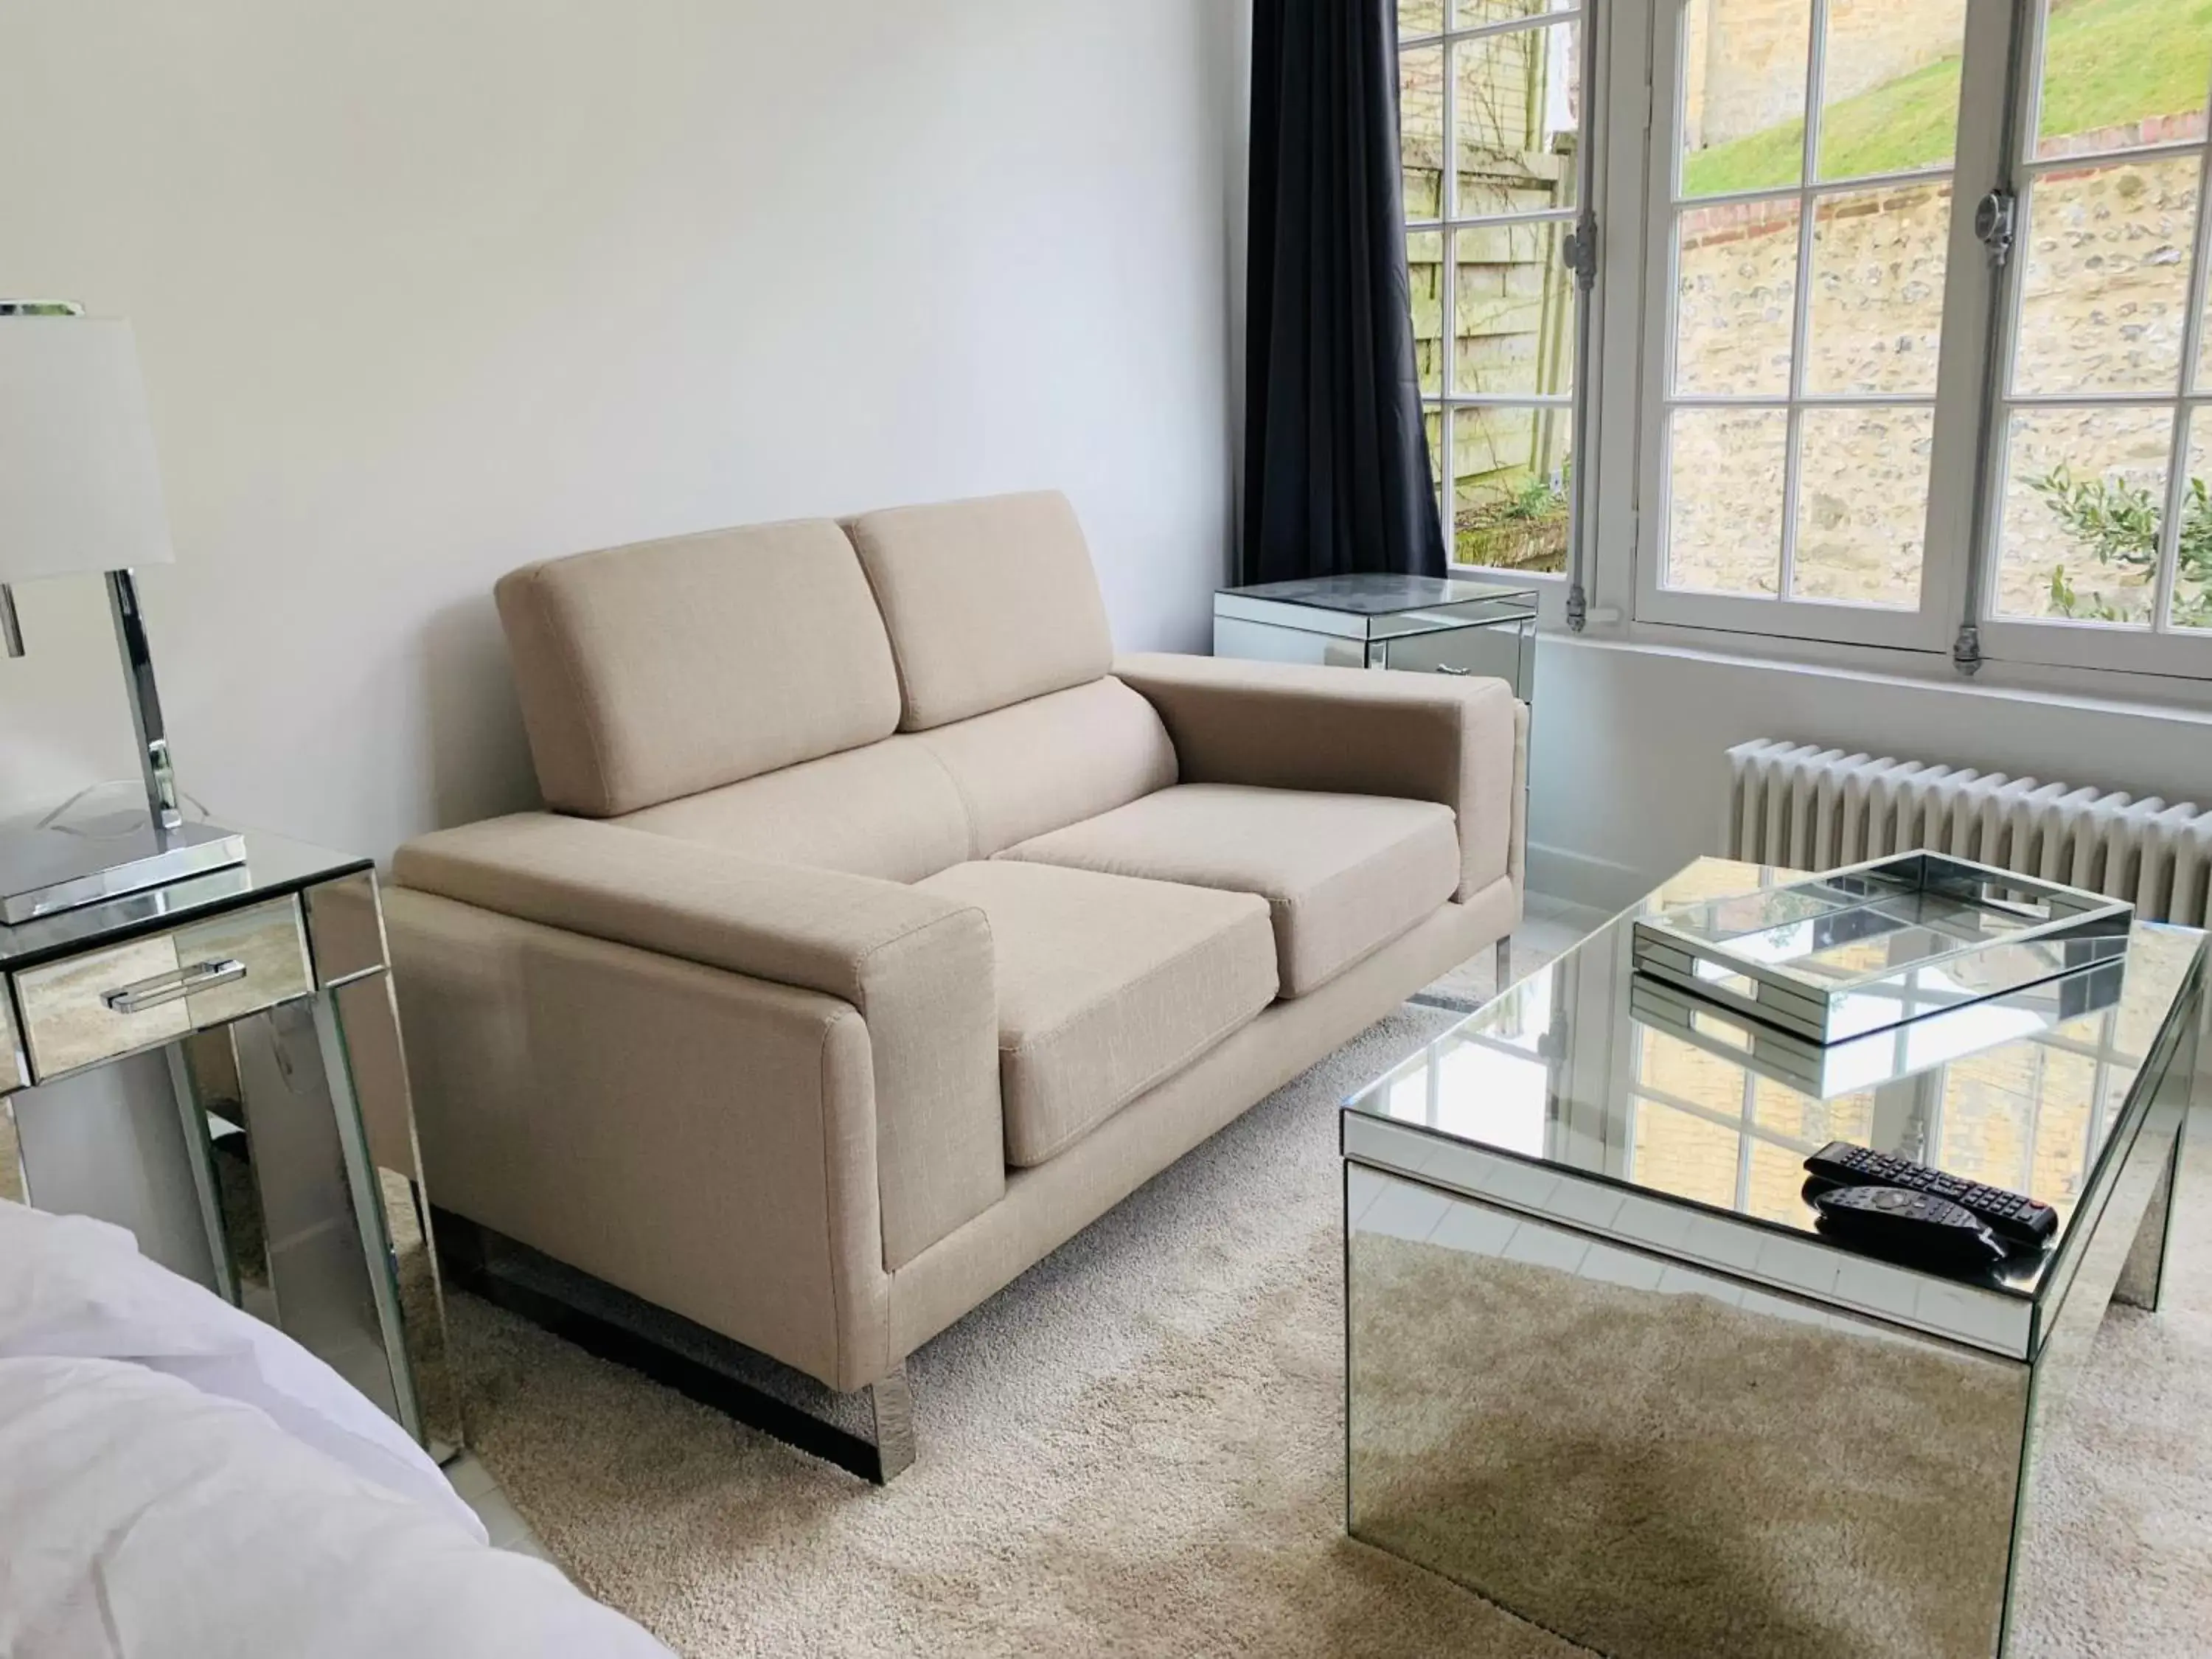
[889, 810]
[988, 602]
[1041, 765]
[920, 802]
[659, 670]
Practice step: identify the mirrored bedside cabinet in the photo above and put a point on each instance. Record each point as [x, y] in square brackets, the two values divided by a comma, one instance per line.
[216, 1066]
[1425, 625]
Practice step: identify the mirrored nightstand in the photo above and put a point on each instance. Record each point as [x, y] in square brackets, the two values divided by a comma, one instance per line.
[216, 1066]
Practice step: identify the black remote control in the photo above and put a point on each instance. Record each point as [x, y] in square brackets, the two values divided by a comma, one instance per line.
[2022, 1223]
[1916, 1228]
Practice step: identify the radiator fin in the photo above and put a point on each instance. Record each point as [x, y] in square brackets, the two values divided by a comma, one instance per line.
[1813, 808]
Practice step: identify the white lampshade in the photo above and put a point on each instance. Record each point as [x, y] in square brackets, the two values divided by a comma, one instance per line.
[80, 489]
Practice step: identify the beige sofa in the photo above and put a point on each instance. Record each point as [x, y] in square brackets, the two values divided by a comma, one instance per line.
[884, 929]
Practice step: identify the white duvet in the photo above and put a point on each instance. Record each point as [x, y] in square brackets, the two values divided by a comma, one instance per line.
[179, 1481]
[146, 1519]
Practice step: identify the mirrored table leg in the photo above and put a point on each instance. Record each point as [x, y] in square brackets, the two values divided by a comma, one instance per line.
[1656, 1460]
[330, 1268]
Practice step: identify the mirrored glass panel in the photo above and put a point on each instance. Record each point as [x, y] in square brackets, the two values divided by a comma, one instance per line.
[1565, 1067]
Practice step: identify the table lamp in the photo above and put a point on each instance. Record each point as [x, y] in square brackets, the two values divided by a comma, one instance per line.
[79, 494]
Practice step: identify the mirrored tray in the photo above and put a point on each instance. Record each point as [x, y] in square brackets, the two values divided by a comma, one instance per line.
[1826, 1070]
[1875, 945]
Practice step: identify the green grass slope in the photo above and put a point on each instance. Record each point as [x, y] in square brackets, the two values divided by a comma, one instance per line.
[2109, 62]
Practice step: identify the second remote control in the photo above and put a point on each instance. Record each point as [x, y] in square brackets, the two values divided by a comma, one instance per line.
[2022, 1223]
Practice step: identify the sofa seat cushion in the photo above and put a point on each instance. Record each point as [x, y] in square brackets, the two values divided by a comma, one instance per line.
[1343, 875]
[1106, 986]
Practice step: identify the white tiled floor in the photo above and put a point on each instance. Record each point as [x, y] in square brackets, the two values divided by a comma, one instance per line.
[508, 1530]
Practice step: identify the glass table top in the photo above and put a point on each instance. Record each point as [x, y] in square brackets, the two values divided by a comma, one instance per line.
[1374, 593]
[1578, 1068]
[274, 865]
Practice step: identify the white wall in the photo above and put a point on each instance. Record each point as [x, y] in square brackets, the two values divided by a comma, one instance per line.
[1629, 769]
[423, 291]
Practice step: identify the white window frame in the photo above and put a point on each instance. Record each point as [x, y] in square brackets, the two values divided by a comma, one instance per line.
[1929, 627]
[2161, 648]
[1587, 17]
[1631, 119]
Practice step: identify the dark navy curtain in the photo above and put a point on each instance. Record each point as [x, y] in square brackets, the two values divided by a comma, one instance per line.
[1337, 476]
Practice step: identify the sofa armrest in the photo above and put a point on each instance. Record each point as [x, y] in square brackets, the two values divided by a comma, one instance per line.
[1299, 725]
[917, 967]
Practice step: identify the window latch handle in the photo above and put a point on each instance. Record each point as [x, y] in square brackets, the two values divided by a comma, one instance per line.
[1994, 218]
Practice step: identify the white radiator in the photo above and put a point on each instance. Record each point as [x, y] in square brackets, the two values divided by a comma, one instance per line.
[1810, 808]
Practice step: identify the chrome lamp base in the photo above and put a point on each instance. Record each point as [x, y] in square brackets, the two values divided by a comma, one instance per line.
[45, 870]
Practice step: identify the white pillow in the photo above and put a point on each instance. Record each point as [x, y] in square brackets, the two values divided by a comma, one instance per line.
[73, 1288]
[141, 1519]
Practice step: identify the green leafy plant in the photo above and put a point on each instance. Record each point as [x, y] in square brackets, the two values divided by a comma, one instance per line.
[1537, 499]
[2116, 524]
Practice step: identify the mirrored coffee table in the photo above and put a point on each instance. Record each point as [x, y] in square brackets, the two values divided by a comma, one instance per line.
[1602, 1369]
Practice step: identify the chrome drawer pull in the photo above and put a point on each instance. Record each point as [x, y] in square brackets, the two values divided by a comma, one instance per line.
[1446, 668]
[169, 988]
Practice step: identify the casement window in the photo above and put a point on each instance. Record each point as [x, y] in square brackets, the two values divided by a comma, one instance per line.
[1923, 343]
[1495, 174]
[1904, 336]
[2101, 428]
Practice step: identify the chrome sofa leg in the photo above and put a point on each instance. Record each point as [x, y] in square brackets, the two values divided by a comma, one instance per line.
[471, 1257]
[1504, 964]
[892, 1401]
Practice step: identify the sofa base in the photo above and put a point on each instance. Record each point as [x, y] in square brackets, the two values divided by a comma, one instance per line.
[468, 1257]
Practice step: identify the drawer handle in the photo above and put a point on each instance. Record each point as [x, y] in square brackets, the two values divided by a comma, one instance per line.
[171, 987]
[1446, 668]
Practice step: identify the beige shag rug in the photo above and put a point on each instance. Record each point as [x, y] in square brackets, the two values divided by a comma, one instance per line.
[1137, 1449]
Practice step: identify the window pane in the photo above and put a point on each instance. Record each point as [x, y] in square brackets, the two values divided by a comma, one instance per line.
[1421, 130]
[1889, 88]
[1424, 268]
[2118, 73]
[2106, 281]
[2204, 344]
[1877, 299]
[1743, 94]
[1516, 113]
[1735, 279]
[1432, 430]
[1724, 500]
[1515, 298]
[1473, 14]
[1861, 505]
[2192, 577]
[1512, 468]
[1420, 16]
[2084, 493]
